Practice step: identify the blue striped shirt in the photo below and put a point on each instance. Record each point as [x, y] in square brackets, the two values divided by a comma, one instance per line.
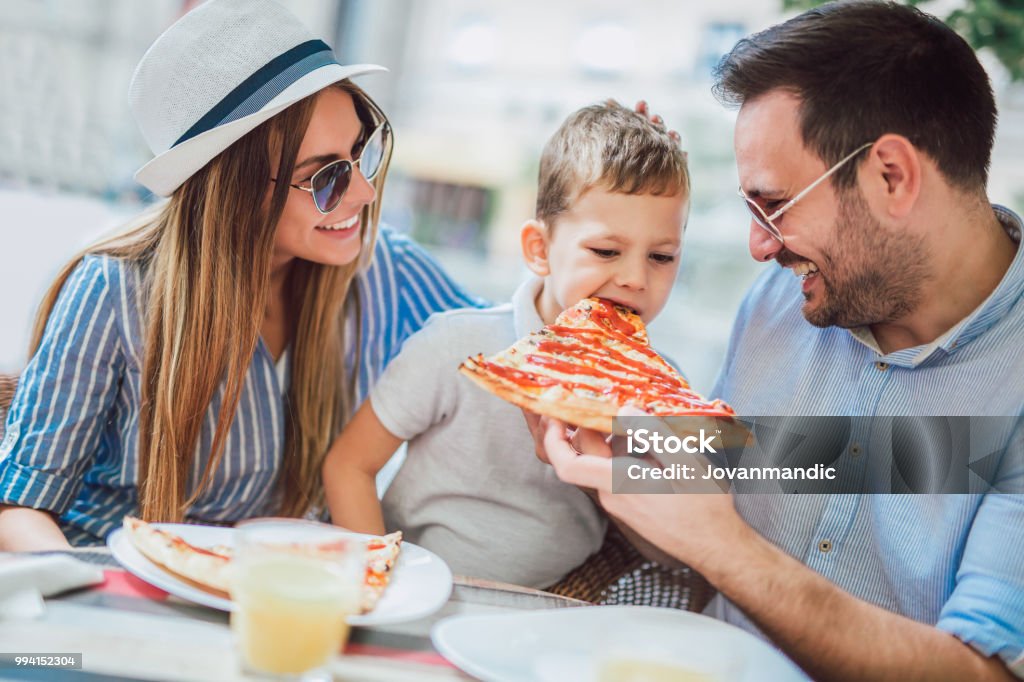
[954, 561]
[71, 438]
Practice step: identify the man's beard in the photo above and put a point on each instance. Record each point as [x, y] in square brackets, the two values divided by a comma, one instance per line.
[870, 275]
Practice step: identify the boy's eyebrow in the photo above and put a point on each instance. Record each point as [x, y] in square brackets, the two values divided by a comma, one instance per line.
[675, 243]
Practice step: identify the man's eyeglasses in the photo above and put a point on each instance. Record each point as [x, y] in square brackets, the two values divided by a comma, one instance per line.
[329, 184]
[768, 221]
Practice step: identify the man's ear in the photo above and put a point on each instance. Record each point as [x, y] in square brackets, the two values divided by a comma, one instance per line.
[534, 240]
[894, 183]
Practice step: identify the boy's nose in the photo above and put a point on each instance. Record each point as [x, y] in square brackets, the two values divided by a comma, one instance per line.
[632, 277]
[763, 246]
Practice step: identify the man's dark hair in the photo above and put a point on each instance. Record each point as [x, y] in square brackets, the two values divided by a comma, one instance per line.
[863, 69]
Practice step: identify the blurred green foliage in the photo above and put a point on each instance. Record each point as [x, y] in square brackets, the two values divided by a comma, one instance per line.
[996, 25]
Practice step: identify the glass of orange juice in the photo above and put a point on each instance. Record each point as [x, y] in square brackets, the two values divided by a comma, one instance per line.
[294, 583]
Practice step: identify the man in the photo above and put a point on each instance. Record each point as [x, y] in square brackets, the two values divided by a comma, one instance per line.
[863, 143]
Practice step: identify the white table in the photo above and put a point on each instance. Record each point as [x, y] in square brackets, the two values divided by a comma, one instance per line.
[125, 634]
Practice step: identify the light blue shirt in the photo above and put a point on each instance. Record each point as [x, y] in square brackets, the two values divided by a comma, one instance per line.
[954, 561]
[71, 439]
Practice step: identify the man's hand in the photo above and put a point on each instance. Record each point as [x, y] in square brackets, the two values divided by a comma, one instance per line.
[656, 120]
[685, 526]
[581, 440]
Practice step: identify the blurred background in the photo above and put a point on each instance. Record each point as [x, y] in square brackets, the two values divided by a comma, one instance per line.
[474, 91]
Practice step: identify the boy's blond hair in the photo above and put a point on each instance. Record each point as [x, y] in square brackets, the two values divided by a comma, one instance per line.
[613, 147]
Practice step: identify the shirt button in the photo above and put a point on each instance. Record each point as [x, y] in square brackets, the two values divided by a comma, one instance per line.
[881, 366]
[855, 449]
[825, 546]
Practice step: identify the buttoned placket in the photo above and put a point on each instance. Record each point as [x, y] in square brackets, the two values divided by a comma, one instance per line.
[840, 510]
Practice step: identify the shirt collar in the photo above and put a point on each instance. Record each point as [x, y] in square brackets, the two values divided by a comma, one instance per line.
[526, 319]
[979, 320]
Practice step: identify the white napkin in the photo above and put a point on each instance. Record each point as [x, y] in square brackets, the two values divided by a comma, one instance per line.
[26, 578]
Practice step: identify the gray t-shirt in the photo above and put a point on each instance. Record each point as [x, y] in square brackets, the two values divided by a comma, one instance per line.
[471, 488]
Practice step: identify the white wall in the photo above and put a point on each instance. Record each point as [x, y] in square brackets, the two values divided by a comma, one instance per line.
[39, 232]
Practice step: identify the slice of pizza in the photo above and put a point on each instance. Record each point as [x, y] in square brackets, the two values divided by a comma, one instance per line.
[204, 568]
[381, 555]
[207, 568]
[594, 360]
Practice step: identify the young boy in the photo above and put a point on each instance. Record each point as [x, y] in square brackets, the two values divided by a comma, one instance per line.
[612, 201]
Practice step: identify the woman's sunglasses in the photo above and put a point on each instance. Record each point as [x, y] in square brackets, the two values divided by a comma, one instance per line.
[329, 184]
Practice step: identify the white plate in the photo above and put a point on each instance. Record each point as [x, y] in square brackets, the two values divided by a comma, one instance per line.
[421, 581]
[569, 643]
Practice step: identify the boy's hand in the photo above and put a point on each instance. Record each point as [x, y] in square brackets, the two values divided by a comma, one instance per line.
[656, 120]
[537, 431]
[580, 440]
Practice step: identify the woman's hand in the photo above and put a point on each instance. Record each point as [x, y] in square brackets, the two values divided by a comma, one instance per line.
[29, 530]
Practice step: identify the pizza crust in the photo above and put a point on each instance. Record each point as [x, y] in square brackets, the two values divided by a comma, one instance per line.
[223, 594]
[197, 566]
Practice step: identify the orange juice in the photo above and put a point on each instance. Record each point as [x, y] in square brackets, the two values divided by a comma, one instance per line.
[290, 612]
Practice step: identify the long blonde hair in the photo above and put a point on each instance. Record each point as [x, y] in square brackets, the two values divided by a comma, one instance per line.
[206, 254]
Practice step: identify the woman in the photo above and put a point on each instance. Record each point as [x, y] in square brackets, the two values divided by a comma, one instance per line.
[197, 367]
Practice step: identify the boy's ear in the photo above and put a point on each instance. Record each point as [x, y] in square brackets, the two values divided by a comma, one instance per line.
[534, 240]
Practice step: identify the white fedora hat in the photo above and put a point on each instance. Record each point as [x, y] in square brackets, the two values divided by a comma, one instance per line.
[217, 73]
